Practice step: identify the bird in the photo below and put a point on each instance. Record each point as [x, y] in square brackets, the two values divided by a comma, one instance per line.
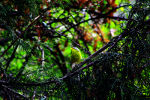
[75, 56]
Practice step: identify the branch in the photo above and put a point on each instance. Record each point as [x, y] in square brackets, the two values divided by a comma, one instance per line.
[14, 92]
[62, 66]
[27, 84]
[96, 53]
[77, 71]
[42, 56]
[12, 56]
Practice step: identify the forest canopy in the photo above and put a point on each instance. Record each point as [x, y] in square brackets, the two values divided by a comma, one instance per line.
[37, 38]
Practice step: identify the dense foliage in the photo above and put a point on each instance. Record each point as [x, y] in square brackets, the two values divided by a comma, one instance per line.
[36, 37]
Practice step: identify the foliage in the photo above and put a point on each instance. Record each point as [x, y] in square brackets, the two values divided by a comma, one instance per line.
[36, 37]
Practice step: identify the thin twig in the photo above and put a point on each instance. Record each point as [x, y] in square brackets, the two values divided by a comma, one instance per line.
[62, 64]
[32, 23]
[24, 63]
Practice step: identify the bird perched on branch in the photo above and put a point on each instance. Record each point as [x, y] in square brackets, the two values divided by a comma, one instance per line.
[75, 56]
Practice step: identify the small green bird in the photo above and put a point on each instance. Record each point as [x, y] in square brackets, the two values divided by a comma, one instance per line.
[75, 55]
